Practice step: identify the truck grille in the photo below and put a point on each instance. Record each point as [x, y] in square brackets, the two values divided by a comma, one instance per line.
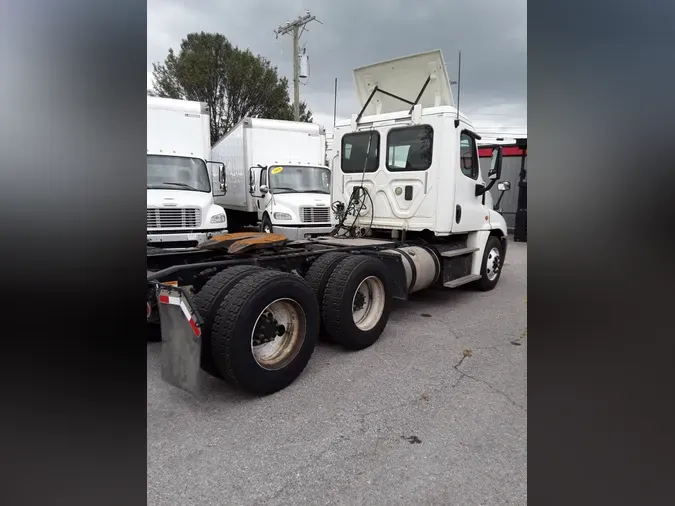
[315, 214]
[187, 217]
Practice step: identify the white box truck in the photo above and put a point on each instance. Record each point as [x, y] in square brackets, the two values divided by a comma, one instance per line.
[277, 177]
[180, 188]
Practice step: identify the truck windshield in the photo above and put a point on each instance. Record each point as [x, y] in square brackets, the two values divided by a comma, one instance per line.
[177, 173]
[299, 179]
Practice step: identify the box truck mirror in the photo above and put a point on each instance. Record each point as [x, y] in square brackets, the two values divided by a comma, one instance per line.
[221, 175]
[251, 180]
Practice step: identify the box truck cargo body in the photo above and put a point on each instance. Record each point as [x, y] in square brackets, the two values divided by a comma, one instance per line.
[277, 178]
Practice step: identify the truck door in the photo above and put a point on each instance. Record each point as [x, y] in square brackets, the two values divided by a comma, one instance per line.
[263, 199]
[469, 212]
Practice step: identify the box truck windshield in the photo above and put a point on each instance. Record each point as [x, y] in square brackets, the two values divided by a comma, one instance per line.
[299, 179]
[177, 173]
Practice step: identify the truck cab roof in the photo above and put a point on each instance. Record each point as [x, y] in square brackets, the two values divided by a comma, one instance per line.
[400, 117]
[172, 104]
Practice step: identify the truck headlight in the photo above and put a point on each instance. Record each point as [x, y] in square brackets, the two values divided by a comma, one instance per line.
[282, 216]
[218, 218]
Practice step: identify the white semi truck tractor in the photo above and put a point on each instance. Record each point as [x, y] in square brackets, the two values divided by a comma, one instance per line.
[410, 209]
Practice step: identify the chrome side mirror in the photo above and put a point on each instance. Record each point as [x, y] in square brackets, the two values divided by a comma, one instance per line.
[504, 186]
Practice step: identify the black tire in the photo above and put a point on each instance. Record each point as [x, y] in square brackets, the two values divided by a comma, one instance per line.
[236, 318]
[317, 277]
[339, 294]
[207, 301]
[233, 224]
[266, 222]
[485, 283]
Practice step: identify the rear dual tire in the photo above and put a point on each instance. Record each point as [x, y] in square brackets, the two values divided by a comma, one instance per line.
[356, 302]
[317, 278]
[348, 294]
[208, 301]
[260, 327]
[287, 301]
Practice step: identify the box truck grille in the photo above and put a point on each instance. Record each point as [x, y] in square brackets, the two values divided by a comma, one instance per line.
[315, 214]
[187, 217]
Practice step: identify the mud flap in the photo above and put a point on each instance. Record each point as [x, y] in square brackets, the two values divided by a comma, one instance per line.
[181, 339]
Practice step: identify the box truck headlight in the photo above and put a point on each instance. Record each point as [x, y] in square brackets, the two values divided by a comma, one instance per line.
[218, 218]
[282, 216]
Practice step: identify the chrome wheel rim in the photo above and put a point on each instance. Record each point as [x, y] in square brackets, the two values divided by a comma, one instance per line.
[368, 303]
[278, 334]
[493, 264]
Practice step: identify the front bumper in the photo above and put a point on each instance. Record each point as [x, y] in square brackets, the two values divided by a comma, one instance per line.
[181, 236]
[297, 233]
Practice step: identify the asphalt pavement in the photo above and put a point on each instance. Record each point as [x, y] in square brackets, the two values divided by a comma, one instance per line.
[434, 413]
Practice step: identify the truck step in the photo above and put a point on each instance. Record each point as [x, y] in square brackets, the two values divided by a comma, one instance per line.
[458, 252]
[461, 281]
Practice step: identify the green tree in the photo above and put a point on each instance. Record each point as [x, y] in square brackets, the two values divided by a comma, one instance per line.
[233, 82]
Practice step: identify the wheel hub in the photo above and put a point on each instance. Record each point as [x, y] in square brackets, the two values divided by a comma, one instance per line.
[267, 330]
[278, 334]
[359, 301]
[493, 264]
[368, 303]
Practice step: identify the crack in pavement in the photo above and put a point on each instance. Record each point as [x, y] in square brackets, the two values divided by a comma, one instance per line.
[496, 390]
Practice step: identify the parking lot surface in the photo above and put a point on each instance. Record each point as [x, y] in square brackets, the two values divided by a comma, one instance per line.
[434, 413]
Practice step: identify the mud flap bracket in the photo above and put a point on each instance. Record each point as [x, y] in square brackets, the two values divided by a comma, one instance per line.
[181, 339]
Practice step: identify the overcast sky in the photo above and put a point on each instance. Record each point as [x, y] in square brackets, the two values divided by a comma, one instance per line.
[492, 35]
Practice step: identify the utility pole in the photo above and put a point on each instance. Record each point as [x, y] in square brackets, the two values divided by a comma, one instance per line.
[293, 27]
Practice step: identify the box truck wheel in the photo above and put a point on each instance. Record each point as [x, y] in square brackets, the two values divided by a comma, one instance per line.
[318, 274]
[233, 224]
[207, 301]
[265, 331]
[357, 301]
[266, 224]
[491, 268]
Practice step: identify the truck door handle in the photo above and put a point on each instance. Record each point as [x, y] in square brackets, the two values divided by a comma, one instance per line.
[458, 214]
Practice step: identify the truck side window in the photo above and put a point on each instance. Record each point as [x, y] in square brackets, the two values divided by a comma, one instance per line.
[468, 156]
[354, 149]
[410, 148]
[263, 177]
